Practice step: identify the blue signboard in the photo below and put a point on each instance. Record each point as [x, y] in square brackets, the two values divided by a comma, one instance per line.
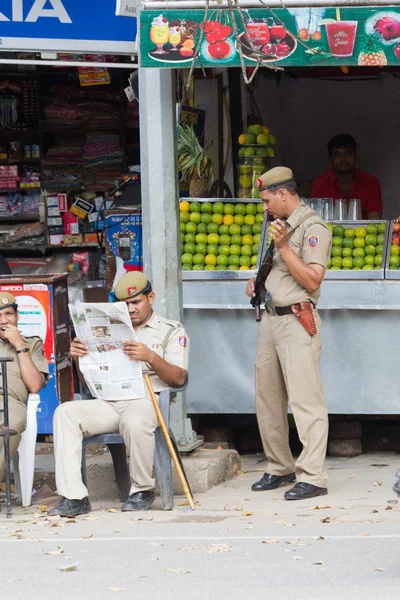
[66, 26]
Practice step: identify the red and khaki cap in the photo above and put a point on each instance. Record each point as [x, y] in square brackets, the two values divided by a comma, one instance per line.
[275, 177]
[7, 300]
[131, 285]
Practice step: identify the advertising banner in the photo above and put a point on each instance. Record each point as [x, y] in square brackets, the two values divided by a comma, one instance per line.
[297, 37]
[66, 26]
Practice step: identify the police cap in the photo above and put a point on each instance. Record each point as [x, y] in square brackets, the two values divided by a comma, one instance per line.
[275, 177]
[131, 285]
[7, 300]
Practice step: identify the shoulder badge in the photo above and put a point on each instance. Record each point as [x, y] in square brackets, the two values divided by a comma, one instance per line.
[313, 241]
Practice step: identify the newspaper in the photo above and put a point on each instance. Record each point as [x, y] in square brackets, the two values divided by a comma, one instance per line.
[109, 373]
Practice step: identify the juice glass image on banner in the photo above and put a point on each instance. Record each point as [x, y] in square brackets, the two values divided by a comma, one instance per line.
[174, 37]
[258, 31]
[159, 33]
[341, 37]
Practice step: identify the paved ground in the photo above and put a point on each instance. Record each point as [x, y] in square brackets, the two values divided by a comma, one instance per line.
[236, 544]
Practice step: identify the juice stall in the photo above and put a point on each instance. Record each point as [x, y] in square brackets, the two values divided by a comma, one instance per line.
[358, 305]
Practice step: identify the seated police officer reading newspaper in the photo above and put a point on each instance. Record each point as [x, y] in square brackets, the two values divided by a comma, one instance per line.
[162, 348]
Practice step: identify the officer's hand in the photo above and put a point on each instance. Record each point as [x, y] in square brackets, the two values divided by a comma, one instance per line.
[138, 351]
[279, 234]
[250, 288]
[78, 348]
[12, 334]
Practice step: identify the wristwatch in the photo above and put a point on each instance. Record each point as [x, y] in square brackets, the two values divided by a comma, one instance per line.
[22, 350]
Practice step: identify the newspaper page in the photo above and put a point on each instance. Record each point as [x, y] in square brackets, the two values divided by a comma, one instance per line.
[109, 373]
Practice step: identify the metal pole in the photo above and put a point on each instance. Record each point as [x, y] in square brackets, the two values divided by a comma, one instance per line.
[161, 249]
[5, 432]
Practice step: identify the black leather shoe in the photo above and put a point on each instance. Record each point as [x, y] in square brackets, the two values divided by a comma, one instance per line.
[304, 491]
[271, 482]
[71, 508]
[138, 501]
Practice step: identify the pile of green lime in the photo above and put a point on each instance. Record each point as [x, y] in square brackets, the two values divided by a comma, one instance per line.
[357, 248]
[220, 236]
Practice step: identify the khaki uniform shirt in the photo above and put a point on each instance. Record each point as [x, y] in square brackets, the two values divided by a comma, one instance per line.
[168, 339]
[16, 387]
[311, 240]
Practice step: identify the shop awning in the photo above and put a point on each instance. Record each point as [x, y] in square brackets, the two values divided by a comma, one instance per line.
[296, 36]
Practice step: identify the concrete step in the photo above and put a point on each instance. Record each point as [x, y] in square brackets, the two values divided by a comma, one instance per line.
[204, 468]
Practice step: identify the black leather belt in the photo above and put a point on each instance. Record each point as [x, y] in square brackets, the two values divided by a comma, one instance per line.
[281, 310]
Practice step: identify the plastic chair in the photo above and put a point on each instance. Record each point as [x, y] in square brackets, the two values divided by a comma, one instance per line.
[162, 458]
[24, 461]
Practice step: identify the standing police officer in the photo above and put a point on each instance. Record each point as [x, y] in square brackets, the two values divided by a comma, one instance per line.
[289, 345]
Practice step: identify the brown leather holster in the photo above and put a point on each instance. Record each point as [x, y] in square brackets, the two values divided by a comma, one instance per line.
[304, 312]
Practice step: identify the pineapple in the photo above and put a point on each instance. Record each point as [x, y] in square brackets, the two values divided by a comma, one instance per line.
[193, 163]
[371, 54]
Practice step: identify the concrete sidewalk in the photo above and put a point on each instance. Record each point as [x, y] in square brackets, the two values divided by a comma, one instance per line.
[235, 543]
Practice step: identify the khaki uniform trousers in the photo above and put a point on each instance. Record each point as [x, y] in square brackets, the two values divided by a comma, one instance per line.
[17, 421]
[135, 420]
[288, 369]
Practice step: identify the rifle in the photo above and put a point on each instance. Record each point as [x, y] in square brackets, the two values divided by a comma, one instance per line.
[263, 270]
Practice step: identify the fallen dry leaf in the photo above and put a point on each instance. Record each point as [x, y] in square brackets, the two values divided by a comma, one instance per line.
[181, 571]
[70, 521]
[320, 507]
[352, 476]
[152, 559]
[270, 541]
[115, 589]
[156, 544]
[287, 524]
[90, 518]
[188, 548]
[365, 534]
[43, 508]
[379, 569]
[73, 567]
[183, 503]
[318, 562]
[219, 548]
[270, 513]
[112, 510]
[296, 543]
[246, 513]
[326, 520]
[374, 511]
[297, 558]
[388, 507]
[238, 509]
[87, 537]
[55, 552]
[142, 519]
[378, 483]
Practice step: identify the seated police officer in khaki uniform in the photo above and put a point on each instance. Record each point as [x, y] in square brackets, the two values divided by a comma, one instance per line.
[25, 375]
[163, 350]
[289, 345]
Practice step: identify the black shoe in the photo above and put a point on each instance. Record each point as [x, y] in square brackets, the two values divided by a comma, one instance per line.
[71, 508]
[271, 482]
[396, 487]
[138, 501]
[304, 491]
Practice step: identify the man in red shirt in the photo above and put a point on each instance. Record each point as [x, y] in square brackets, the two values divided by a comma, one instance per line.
[343, 180]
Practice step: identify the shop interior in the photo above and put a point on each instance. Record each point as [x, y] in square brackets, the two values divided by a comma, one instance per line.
[297, 102]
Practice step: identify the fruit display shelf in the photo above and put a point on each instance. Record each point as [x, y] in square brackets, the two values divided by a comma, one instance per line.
[349, 274]
[391, 271]
[220, 235]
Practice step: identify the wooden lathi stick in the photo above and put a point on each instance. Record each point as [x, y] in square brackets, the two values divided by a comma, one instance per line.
[171, 448]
